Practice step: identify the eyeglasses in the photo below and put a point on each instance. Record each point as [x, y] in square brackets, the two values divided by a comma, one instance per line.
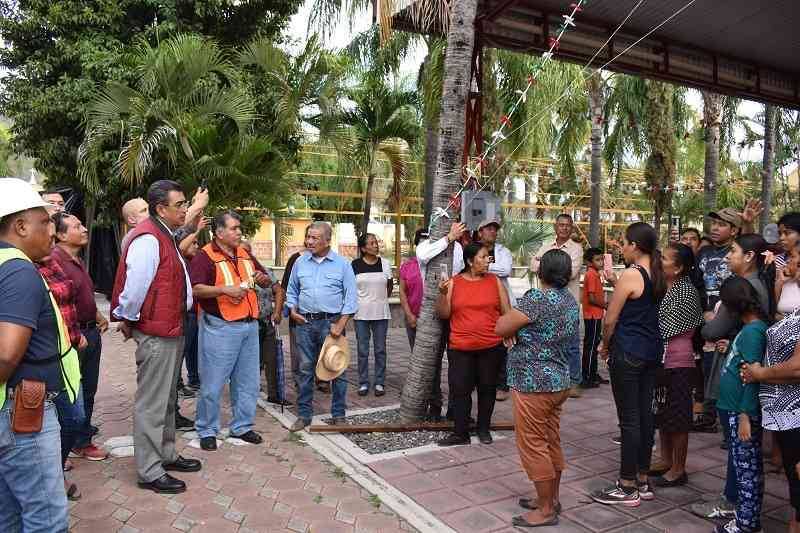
[183, 204]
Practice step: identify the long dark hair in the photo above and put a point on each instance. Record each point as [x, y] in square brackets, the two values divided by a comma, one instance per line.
[470, 251]
[684, 256]
[740, 297]
[646, 240]
[753, 242]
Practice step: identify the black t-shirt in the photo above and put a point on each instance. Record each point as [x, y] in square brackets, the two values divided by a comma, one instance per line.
[362, 267]
[25, 301]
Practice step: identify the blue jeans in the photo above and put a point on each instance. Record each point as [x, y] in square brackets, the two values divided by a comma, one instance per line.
[230, 352]
[90, 376]
[310, 337]
[575, 369]
[744, 481]
[377, 329]
[32, 497]
[72, 419]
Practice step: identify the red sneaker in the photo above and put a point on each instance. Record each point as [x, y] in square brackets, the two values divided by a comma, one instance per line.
[90, 452]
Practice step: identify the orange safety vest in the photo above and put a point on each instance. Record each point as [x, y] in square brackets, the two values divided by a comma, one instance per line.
[234, 274]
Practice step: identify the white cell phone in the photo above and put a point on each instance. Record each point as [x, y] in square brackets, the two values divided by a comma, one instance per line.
[444, 273]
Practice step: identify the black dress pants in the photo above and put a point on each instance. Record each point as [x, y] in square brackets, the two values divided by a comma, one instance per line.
[466, 370]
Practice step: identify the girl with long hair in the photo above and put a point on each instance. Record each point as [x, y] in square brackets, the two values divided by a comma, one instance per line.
[633, 347]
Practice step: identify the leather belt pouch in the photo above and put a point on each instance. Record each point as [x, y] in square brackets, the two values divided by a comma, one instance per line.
[28, 411]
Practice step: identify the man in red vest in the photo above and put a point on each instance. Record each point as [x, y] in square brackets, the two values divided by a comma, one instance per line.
[150, 297]
[224, 276]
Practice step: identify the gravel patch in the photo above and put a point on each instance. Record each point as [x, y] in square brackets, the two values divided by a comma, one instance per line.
[375, 443]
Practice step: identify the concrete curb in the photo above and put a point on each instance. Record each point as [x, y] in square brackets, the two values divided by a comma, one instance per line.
[409, 510]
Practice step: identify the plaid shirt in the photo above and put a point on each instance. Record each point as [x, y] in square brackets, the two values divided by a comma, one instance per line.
[64, 293]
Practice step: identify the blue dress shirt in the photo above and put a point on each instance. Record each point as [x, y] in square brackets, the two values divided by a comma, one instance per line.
[328, 286]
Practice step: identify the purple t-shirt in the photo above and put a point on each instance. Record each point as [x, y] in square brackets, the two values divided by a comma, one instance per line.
[412, 278]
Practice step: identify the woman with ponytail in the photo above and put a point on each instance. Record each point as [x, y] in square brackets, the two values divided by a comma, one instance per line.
[746, 260]
[633, 347]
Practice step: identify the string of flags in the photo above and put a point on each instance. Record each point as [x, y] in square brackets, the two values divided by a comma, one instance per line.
[473, 167]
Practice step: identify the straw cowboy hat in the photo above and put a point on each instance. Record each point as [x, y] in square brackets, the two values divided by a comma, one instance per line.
[334, 358]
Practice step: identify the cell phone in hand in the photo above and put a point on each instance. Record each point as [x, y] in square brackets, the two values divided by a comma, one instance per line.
[608, 263]
[444, 274]
[204, 184]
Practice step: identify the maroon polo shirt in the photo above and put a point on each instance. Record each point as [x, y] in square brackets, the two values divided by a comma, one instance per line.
[202, 271]
[84, 287]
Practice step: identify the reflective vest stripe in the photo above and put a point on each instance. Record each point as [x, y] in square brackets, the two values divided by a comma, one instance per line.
[226, 273]
[248, 267]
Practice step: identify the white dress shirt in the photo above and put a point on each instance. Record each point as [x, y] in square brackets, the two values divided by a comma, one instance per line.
[427, 250]
[141, 265]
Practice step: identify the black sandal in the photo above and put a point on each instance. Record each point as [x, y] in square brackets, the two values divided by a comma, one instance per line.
[519, 521]
[530, 503]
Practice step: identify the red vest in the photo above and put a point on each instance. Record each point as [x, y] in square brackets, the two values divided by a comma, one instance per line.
[164, 307]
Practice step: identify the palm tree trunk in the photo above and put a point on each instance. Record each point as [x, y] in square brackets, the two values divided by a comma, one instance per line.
[660, 168]
[596, 116]
[367, 203]
[768, 169]
[431, 154]
[712, 115]
[458, 67]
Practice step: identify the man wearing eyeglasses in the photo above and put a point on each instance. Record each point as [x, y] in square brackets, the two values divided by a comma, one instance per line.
[151, 294]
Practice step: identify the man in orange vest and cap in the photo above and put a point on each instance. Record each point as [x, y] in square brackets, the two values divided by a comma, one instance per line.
[224, 276]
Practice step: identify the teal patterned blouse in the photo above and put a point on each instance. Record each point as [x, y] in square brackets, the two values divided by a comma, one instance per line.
[539, 362]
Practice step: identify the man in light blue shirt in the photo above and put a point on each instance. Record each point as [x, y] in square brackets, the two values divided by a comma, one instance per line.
[321, 296]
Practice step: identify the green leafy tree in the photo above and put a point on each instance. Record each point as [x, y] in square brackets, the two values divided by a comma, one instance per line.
[186, 114]
[58, 53]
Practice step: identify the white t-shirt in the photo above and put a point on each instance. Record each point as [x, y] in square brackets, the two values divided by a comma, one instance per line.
[371, 282]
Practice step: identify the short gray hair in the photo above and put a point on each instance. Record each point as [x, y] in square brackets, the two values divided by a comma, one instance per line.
[220, 220]
[324, 227]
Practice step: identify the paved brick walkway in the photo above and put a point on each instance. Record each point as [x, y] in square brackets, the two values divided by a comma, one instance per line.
[283, 485]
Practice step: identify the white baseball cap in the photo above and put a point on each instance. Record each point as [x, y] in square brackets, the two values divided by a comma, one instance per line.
[17, 195]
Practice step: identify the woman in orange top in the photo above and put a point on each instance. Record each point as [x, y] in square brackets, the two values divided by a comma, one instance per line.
[473, 301]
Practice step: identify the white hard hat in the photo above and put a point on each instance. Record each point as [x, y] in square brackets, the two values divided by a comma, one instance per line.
[17, 195]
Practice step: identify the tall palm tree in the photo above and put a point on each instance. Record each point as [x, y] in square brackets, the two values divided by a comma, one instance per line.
[378, 117]
[297, 90]
[458, 60]
[712, 118]
[768, 163]
[596, 89]
[660, 167]
[184, 83]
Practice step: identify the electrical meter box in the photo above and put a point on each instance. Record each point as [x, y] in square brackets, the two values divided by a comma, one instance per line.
[477, 206]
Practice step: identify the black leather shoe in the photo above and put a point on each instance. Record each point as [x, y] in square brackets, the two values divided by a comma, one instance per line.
[251, 436]
[485, 437]
[166, 484]
[183, 424]
[183, 464]
[278, 402]
[453, 440]
[209, 444]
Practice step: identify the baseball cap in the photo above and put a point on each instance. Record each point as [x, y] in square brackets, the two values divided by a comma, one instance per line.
[489, 222]
[771, 233]
[17, 195]
[729, 215]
